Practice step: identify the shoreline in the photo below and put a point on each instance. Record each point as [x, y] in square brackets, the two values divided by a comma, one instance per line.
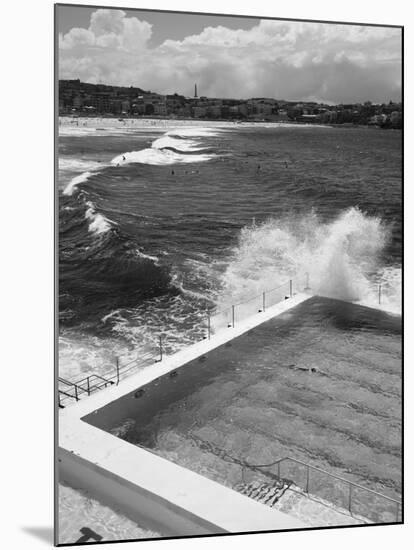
[155, 123]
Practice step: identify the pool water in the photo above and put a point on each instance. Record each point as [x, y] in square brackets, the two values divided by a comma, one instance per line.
[320, 383]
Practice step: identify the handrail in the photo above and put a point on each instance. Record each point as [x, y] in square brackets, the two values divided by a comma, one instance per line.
[218, 312]
[224, 455]
[337, 477]
[351, 484]
[65, 381]
[68, 394]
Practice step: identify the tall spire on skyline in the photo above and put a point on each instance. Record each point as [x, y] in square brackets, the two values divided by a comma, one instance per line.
[195, 90]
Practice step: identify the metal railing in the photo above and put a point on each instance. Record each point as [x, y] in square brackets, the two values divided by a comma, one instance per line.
[215, 321]
[354, 498]
[88, 385]
[233, 314]
[73, 391]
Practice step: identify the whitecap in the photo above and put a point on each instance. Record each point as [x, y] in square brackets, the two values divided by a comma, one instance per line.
[147, 256]
[74, 182]
[158, 157]
[98, 222]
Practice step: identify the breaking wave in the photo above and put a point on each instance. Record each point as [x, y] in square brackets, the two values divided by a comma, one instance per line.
[158, 157]
[98, 223]
[173, 147]
[74, 182]
[342, 258]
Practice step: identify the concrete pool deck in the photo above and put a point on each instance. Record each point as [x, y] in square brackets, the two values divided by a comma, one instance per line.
[167, 497]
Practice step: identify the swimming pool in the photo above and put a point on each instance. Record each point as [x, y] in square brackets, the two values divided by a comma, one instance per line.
[320, 383]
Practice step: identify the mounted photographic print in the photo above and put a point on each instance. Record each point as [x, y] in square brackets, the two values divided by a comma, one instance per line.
[229, 264]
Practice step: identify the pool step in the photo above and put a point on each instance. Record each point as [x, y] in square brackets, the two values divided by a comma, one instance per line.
[266, 493]
[314, 511]
[288, 498]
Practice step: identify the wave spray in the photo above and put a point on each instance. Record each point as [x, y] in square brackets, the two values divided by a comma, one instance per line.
[342, 258]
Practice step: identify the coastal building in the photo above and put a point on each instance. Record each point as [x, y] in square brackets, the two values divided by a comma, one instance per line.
[199, 112]
[80, 97]
[214, 111]
[77, 102]
[126, 106]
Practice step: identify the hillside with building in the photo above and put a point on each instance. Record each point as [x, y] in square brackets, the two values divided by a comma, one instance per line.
[84, 99]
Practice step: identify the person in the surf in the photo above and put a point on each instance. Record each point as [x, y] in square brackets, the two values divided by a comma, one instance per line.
[123, 157]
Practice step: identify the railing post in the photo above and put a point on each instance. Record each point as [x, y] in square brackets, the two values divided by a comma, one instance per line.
[88, 386]
[350, 499]
[76, 393]
[232, 316]
[379, 294]
[208, 324]
[117, 370]
[307, 480]
[290, 288]
[264, 301]
[160, 339]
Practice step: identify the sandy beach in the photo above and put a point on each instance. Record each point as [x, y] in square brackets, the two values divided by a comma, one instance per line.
[66, 123]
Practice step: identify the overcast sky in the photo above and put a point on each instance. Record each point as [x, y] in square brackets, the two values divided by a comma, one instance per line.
[230, 56]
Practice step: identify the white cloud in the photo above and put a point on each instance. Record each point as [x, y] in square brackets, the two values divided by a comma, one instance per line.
[274, 58]
[108, 29]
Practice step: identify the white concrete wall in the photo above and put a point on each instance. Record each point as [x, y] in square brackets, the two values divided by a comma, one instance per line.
[133, 501]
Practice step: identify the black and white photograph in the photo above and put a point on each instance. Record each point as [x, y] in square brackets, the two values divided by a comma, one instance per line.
[229, 251]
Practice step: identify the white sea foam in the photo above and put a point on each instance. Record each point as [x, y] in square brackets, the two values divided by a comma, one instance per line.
[80, 131]
[158, 157]
[75, 130]
[98, 222]
[71, 164]
[147, 256]
[341, 257]
[74, 182]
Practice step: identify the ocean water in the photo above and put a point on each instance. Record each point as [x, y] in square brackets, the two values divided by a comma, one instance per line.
[156, 225]
[78, 509]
